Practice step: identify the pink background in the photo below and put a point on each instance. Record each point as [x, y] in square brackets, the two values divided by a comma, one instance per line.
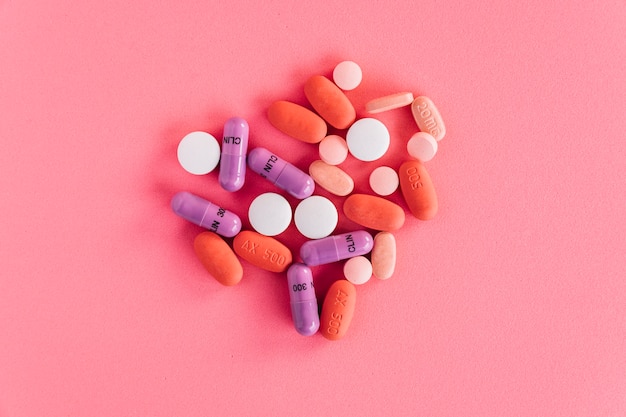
[511, 302]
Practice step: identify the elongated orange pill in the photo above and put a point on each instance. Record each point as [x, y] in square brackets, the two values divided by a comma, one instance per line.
[374, 212]
[262, 251]
[427, 117]
[384, 255]
[338, 309]
[297, 121]
[331, 178]
[418, 190]
[218, 258]
[329, 102]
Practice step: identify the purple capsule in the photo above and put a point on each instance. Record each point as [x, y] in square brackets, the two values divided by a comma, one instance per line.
[233, 157]
[304, 309]
[281, 173]
[336, 248]
[206, 214]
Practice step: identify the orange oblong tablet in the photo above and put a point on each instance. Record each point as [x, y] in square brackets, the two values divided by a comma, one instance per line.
[218, 258]
[338, 309]
[384, 255]
[427, 117]
[331, 178]
[297, 121]
[418, 190]
[329, 102]
[374, 212]
[390, 102]
[262, 251]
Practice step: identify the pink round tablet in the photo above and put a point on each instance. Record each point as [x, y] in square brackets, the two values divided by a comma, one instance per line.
[384, 180]
[358, 270]
[347, 75]
[333, 150]
[422, 146]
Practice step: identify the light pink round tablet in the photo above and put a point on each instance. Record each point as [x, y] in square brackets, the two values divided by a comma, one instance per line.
[390, 102]
[384, 180]
[422, 146]
[333, 150]
[347, 75]
[357, 270]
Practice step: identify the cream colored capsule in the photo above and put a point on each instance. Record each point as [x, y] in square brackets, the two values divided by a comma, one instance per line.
[331, 178]
[384, 255]
[428, 118]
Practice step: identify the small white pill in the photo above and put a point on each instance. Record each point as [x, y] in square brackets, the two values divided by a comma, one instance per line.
[198, 153]
[333, 150]
[316, 217]
[384, 180]
[368, 139]
[357, 270]
[347, 75]
[269, 214]
[422, 146]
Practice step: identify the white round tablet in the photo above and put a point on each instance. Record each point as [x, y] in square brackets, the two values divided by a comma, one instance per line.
[384, 180]
[422, 146]
[358, 270]
[368, 139]
[198, 153]
[269, 214]
[316, 217]
[347, 75]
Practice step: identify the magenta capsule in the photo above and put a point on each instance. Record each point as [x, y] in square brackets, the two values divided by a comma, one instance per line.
[281, 173]
[206, 214]
[233, 157]
[304, 311]
[335, 248]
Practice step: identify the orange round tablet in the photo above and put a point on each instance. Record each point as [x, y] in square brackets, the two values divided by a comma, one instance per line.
[418, 190]
[329, 102]
[297, 121]
[374, 212]
[338, 309]
[218, 258]
[262, 251]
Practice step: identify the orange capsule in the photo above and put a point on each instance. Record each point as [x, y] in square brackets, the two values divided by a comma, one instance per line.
[338, 309]
[297, 121]
[418, 190]
[374, 212]
[218, 258]
[262, 251]
[329, 102]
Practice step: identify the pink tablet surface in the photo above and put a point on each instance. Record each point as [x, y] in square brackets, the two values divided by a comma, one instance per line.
[511, 301]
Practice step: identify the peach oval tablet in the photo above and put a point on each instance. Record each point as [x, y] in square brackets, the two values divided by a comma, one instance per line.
[331, 178]
[329, 102]
[297, 121]
[333, 150]
[262, 251]
[427, 117]
[374, 212]
[338, 309]
[218, 258]
[384, 255]
[357, 270]
[390, 102]
[384, 180]
[418, 190]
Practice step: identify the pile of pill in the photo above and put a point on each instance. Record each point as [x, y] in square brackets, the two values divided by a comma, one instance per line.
[315, 217]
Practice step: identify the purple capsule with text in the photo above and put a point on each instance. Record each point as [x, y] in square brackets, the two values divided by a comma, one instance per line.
[206, 214]
[281, 173]
[336, 248]
[233, 158]
[304, 310]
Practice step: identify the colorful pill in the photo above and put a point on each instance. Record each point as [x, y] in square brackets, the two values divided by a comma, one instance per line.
[357, 270]
[384, 255]
[218, 258]
[304, 310]
[336, 248]
[331, 178]
[374, 212]
[262, 251]
[297, 121]
[338, 309]
[427, 117]
[384, 180]
[329, 102]
[233, 158]
[390, 102]
[281, 173]
[418, 190]
[206, 214]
